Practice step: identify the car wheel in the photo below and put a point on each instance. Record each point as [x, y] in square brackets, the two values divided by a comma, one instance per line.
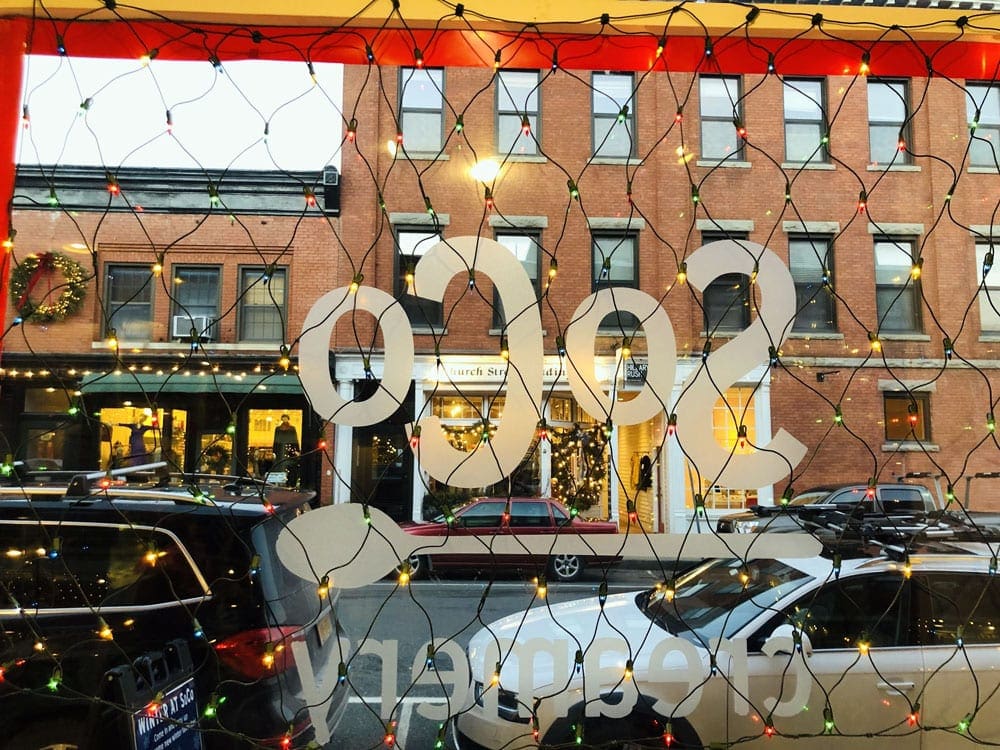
[566, 567]
[419, 567]
[58, 734]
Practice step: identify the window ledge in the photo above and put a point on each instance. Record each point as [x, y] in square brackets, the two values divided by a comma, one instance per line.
[910, 446]
[428, 330]
[185, 346]
[904, 337]
[894, 168]
[422, 156]
[527, 158]
[617, 334]
[725, 163]
[816, 336]
[629, 161]
[989, 337]
[822, 165]
[499, 332]
[722, 334]
[983, 170]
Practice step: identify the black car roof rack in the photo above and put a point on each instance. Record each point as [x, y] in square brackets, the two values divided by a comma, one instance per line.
[81, 484]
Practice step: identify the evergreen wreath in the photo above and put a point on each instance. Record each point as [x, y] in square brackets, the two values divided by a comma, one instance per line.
[26, 275]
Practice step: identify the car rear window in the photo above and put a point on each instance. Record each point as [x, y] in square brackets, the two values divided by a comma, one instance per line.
[69, 566]
[902, 498]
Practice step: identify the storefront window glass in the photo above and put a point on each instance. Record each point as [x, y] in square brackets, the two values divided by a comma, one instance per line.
[272, 447]
[728, 414]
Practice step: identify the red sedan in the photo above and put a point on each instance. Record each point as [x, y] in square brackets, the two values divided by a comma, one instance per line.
[492, 516]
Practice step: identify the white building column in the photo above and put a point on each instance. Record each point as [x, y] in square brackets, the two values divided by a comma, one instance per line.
[420, 479]
[343, 449]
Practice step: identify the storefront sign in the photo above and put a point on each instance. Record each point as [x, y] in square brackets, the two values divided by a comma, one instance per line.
[498, 457]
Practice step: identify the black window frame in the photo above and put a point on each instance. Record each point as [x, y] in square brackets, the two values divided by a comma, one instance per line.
[989, 290]
[889, 295]
[507, 111]
[898, 125]
[601, 113]
[621, 322]
[820, 153]
[533, 235]
[265, 277]
[406, 79]
[722, 286]
[729, 118]
[422, 313]
[903, 402]
[980, 144]
[116, 305]
[811, 291]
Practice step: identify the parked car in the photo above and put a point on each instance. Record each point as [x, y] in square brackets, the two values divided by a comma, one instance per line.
[520, 516]
[877, 652]
[173, 596]
[857, 500]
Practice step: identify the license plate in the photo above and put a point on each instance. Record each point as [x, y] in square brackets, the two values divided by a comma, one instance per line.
[170, 722]
[324, 628]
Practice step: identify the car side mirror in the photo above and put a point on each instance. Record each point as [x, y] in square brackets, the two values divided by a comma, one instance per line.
[786, 639]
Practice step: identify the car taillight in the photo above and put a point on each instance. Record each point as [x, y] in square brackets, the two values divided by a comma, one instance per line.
[260, 653]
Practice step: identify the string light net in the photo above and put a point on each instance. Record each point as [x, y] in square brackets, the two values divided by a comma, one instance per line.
[604, 154]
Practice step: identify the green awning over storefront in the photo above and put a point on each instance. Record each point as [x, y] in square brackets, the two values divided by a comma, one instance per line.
[193, 382]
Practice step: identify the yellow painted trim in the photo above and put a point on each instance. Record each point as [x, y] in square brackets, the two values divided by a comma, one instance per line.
[775, 20]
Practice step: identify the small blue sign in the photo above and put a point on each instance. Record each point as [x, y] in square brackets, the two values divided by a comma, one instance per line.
[173, 724]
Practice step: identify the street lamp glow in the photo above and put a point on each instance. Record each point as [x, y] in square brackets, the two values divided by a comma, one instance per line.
[485, 170]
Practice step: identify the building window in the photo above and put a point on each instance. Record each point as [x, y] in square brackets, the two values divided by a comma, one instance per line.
[810, 260]
[989, 291]
[907, 416]
[614, 115]
[616, 264]
[411, 245]
[195, 301]
[262, 303]
[888, 113]
[804, 122]
[728, 413]
[727, 298]
[897, 296]
[421, 108]
[524, 245]
[985, 134]
[721, 108]
[130, 302]
[517, 100]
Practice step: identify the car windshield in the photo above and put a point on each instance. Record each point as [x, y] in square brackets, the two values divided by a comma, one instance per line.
[719, 597]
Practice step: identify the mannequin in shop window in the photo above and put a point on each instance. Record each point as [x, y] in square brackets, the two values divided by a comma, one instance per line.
[137, 453]
[286, 450]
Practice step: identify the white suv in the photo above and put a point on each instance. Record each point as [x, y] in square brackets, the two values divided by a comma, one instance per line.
[873, 652]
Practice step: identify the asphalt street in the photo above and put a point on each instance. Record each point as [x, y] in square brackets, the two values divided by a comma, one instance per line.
[391, 626]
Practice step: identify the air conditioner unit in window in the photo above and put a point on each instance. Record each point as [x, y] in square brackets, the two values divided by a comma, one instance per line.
[182, 325]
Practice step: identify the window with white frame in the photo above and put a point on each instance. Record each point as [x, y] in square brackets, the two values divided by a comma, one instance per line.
[804, 121]
[614, 115]
[263, 303]
[616, 264]
[810, 259]
[411, 245]
[888, 121]
[129, 301]
[524, 245]
[517, 111]
[989, 290]
[983, 106]
[728, 414]
[897, 294]
[421, 109]
[720, 109]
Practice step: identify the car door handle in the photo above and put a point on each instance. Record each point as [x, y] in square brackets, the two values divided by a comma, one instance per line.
[895, 687]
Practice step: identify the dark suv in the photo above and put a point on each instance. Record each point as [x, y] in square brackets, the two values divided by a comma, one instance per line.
[822, 503]
[154, 616]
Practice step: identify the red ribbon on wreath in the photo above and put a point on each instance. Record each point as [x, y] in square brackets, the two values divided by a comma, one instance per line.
[46, 262]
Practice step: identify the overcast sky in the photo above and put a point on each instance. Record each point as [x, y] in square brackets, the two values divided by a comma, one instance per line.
[218, 117]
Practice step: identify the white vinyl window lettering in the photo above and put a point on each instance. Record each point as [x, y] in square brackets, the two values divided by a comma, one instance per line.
[421, 109]
[517, 104]
[614, 115]
[983, 105]
[719, 97]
